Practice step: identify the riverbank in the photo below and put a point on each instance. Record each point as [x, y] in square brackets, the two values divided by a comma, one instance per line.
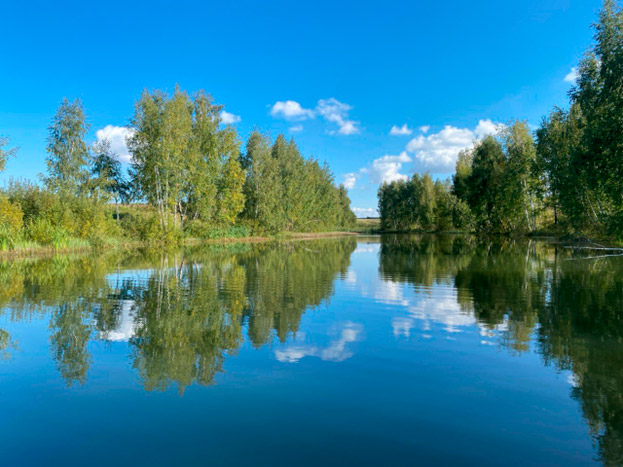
[34, 250]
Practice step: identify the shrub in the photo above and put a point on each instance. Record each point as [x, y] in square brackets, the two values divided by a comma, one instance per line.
[44, 232]
[11, 222]
[198, 228]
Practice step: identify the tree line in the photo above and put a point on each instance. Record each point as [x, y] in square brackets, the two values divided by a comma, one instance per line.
[189, 176]
[567, 176]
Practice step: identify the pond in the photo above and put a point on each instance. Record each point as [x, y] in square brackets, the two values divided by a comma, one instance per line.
[390, 350]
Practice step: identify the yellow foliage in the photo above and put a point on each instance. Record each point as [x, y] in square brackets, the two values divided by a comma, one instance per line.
[11, 215]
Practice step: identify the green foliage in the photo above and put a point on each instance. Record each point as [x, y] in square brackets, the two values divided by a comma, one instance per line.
[572, 178]
[11, 223]
[45, 232]
[580, 149]
[67, 152]
[286, 192]
[421, 204]
[198, 228]
[184, 164]
[108, 173]
[187, 167]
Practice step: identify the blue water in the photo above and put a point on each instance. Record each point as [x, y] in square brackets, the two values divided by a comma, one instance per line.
[384, 360]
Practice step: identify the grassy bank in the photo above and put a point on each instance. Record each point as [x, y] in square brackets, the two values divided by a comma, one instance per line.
[368, 225]
[24, 249]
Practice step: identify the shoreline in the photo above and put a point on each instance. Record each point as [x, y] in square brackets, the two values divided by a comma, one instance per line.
[47, 251]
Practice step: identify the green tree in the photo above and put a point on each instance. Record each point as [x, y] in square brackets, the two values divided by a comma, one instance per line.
[462, 172]
[68, 156]
[522, 198]
[108, 173]
[230, 191]
[564, 186]
[487, 188]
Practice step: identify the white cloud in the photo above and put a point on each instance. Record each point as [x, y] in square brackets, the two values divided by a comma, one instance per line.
[486, 128]
[572, 76]
[336, 112]
[296, 128]
[350, 179]
[436, 151]
[387, 168]
[117, 136]
[439, 151]
[336, 351]
[400, 130]
[365, 212]
[383, 169]
[290, 110]
[229, 118]
[424, 128]
[330, 109]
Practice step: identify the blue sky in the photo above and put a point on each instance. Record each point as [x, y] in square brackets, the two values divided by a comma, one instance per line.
[335, 75]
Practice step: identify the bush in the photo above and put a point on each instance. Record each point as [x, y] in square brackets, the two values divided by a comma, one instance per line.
[198, 228]
[11, 222]
[44, 232]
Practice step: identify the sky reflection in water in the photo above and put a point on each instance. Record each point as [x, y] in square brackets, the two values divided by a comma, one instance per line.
[375, 351]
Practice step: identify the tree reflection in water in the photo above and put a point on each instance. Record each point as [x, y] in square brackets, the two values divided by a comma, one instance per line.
[183, 313]
[569, 306]
[183, 317]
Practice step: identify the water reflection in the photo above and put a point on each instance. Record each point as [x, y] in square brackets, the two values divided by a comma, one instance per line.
[569, 307]
[182, 315]
[337, 350]
[180, 319]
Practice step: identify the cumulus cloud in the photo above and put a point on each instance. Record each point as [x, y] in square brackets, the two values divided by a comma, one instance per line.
[350, 179]
[336, 112]
[486, 128]
[387, 168]
[436, 151]
[365, 212]
[296, 128]
[117, 136]
[439, 151]
[400, 130]
[229, 118]
[572, 76]
[383, 169]
[425, 128]
[290, 110]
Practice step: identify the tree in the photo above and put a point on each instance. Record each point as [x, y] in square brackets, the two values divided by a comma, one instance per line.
[599, 94]
[68, 156]
[5, 152]
[486, 186]
[522, 182]
[108, 173]
[563, 185]
[184, 163]
[286, 192]
[230, 191]
[462, 172]
[159, 147]
[207, 150]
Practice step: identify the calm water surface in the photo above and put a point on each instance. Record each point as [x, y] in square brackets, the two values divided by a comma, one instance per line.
[389, 350]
